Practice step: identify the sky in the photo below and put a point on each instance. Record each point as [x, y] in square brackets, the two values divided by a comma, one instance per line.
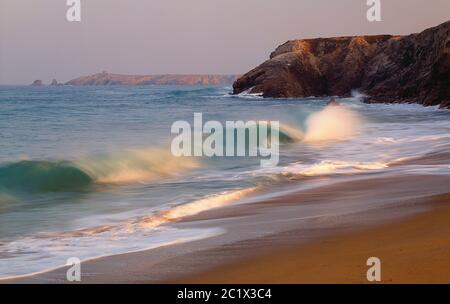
[181, 36]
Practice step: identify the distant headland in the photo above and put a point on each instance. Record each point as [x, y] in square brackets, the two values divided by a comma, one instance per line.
[105, 78]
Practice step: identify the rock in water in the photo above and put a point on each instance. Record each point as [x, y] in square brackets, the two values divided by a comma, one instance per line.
[413, 68]
[333, 102]
[37, 82]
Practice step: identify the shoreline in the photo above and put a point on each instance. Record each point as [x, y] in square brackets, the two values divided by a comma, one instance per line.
[254, 230]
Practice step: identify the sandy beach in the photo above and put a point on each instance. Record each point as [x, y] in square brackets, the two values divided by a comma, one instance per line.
[416, 250]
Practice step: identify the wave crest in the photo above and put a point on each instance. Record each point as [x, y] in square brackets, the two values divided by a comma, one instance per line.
[332, 123]
[68, 176]
[136, 166]
[43, 176]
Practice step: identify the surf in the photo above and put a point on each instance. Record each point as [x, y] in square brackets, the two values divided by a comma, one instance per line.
[43, 176]
[331, 124]
[207, 203]
[80, 174]
[134, 166]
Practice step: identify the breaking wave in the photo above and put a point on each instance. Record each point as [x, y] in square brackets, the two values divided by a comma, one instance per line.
[67, 176]
[332, 123]
[43, 176]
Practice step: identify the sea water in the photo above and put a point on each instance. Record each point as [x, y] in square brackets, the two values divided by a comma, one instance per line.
[88, 172]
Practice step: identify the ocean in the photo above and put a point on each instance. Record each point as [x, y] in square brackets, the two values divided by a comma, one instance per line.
[88, 172]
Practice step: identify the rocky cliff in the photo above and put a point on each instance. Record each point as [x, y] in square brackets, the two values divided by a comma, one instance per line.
[105, 78]
[413, 68]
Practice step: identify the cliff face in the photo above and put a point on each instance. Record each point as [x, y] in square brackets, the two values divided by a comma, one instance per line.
[117, 79]
[413, 68]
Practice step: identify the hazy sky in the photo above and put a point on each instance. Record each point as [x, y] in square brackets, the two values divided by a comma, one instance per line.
[181, 36]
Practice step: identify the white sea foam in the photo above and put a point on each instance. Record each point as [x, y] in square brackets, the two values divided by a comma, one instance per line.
[332, 123]
[52, 252]
[135, 166]
[193, 208]
[247, 94]
[143, 233]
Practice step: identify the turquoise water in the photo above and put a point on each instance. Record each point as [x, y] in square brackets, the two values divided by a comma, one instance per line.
[83, 168]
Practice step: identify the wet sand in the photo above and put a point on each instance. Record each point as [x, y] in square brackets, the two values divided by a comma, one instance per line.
[415, 250]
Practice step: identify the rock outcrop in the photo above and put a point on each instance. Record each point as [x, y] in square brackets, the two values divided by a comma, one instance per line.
[105, 78]
[55, 83]
[413, 68]
[37, 82]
